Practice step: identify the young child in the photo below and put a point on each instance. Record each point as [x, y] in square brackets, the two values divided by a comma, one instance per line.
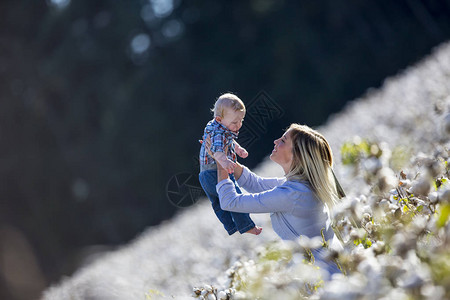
[229, 112]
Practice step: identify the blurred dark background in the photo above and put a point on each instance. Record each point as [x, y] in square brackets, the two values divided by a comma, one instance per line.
[102, 103]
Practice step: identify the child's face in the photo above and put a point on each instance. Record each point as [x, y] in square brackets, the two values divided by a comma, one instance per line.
[232, 119]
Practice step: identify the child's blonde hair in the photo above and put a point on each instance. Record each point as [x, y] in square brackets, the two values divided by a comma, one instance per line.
[225, 101]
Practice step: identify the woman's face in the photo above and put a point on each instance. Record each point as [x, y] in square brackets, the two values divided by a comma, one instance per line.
[282, 152]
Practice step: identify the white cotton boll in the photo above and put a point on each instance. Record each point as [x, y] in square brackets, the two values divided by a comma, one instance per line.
[376, 282]
[386, 179]
[370, 266]
[240, 295]
[441, 151]
[446, 124]
[366, 217]
[433, 197]
[357, 233]
[366, 213]
[374, 203]
[402, 243]
[397, 294]
[384, 205]
[230, 291]
[341, 210]
[369, 227]
[378, 247]
[419, 223]
[222, 295]
[249, 264]
[422, 159]
[420, 187]
[363, 198]
[210, 296]
[386, 153]
[430, 291]
[197, 291]
[208, 288]
[413, 261]
[419, 202]
[391, 265]
[393, 207]
[392, 196]
[297, 258]
[366, 209]
[356, 208]
[435, 168]
[413, 279]
[372, 165]
[307, 243]
[405, 183]
[306, 273]
[345, 287]
[444, 196]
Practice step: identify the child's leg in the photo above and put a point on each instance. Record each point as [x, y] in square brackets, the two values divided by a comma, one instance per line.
[242, 220]
[208, 180]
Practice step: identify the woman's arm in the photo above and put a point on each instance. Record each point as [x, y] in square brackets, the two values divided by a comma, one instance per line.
[238, 169]
[255, 184]
[221, 173]
[279, 199]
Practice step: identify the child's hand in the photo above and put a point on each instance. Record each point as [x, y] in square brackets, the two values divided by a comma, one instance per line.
[242, 152]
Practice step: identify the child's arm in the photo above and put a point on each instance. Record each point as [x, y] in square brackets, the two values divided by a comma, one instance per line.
[222, 159]
[239, 150]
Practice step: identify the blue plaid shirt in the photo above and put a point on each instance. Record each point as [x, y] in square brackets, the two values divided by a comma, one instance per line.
[220, 138]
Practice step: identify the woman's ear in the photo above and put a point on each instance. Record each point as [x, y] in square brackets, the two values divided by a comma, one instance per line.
[218, 119]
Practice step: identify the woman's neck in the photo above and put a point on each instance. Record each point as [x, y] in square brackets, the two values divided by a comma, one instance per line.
[286, 169]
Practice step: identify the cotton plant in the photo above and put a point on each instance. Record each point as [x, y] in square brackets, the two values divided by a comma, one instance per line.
[399, 240]
[405, 231]
[396, 237]
[281, 270]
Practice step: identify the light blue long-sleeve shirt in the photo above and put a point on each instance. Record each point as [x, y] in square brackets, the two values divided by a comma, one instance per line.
[295, 209]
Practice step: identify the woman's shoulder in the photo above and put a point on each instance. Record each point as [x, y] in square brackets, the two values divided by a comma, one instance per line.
[302, 194]
[295, 190]
[298, 185]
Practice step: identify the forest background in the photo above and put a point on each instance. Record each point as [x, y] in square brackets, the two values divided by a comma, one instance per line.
[102, 102]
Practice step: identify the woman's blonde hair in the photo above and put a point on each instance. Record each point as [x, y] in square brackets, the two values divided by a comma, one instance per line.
[225, 101]
[313, 161]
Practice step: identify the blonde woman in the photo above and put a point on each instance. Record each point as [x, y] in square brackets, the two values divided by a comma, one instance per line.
[300, 203]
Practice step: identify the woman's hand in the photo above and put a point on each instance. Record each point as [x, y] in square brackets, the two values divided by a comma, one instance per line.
[221, 173]
[207, 143]
[238, 167]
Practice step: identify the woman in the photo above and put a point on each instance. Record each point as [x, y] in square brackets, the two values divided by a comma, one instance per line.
[301, 202]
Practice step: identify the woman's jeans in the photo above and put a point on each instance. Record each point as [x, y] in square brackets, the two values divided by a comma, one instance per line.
[232, 221]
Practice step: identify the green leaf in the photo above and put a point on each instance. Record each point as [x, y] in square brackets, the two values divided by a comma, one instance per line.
[444, 214]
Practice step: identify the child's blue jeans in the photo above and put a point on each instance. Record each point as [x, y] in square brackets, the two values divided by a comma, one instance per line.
[232, 221]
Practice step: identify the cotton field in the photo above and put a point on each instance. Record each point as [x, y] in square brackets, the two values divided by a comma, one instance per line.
[392, 152]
